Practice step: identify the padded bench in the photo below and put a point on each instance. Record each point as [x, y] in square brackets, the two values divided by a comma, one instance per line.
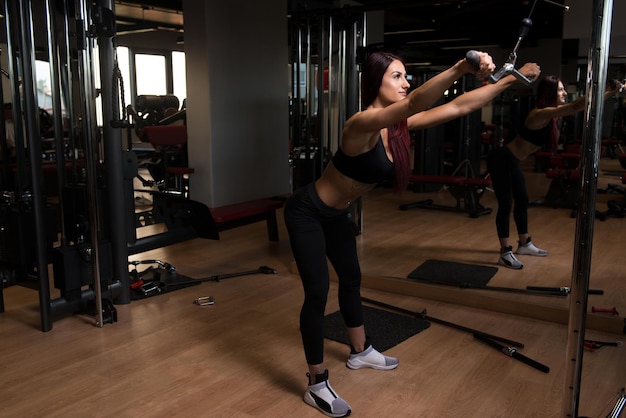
[466, 189]
[244, 213]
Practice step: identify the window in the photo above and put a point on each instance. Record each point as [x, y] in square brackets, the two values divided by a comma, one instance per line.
[150, 74]
[153, 76]
[44, 86]
[179, 76]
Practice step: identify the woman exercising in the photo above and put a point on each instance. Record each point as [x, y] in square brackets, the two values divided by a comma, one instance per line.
[503, 164]
[374, 147]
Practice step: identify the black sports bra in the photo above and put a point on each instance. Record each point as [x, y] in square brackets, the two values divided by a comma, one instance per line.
[370, 167]
[538, 137]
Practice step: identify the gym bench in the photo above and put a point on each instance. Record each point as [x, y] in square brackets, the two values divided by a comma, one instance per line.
[244, 213]
[466, 189]
[170, 144]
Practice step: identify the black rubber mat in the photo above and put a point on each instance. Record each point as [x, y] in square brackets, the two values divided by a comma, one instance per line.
[385, 329]
[453, 274]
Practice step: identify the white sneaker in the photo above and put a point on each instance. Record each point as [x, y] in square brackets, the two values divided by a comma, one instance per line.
[322, 397]
[507, 259]
[530, 249]
[371, 358]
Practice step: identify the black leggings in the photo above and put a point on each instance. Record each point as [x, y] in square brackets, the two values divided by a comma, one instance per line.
[509, 185]
[317, 231]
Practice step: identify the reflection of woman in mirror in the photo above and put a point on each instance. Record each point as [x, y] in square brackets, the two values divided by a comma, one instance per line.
[539, 130]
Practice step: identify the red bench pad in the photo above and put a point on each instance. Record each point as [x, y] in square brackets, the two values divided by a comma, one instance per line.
[245, 209]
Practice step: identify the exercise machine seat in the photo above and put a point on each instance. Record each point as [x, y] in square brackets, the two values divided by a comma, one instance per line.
[170, 141]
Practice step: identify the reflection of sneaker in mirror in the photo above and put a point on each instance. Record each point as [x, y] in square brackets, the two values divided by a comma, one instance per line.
[529, 249]
[322, 397]
[371, 358]
[507, 259]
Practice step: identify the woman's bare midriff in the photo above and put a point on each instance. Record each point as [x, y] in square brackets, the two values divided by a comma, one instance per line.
[337, 190]
[520, 148]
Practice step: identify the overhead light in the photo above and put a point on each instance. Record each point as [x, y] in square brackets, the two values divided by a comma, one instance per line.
[404, 32]
[144, 29]
[153, 14]
[418, 64]
[430, 41]
[135, 31]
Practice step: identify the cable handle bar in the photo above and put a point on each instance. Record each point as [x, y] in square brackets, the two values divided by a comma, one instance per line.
[508, 68]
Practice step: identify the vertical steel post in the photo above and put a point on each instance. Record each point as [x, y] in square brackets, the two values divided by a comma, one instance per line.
[4, 145]
[13, 30]
[592, 133]
[351, 88]
[317, 80]
[20, 23]
[113, 157]
[68, 85]
[55, 76]
[85, 74]
[330, 96]
[308, 95]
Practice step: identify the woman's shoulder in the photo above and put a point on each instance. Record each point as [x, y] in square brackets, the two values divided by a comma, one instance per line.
[537, 118]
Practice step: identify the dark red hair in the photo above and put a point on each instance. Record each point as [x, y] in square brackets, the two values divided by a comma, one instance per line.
[398, 134]
[547, 96]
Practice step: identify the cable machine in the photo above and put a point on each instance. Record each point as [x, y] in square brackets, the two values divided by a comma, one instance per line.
[325, 53]
[61, 227]
[324, 87]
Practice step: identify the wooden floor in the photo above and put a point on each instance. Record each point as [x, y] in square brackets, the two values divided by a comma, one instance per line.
[242, 356]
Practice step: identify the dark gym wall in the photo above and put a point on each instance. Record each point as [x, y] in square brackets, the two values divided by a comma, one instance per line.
[237, 100]
[577, 25]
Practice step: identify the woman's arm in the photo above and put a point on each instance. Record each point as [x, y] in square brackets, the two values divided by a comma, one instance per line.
[374, 119]
[428, 93]
[537, 117]
[470, 101]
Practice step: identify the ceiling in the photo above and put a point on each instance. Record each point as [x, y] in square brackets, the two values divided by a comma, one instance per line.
[149, 16]
[433, 30]
[438, 30]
